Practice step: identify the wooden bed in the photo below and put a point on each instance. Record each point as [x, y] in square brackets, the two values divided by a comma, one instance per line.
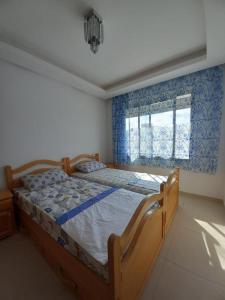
[130, 256]
[171, 185]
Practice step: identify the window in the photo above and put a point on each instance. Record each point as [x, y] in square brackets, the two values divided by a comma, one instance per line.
[160, 130]
[134, 137]
[183, 130]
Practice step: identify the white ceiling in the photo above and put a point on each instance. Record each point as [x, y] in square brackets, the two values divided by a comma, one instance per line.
[142, 38]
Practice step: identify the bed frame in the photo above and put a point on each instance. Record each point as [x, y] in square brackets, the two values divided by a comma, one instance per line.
[130, 256]
[171, 185]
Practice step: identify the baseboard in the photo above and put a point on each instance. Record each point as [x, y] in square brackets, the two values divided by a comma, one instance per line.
[202, 196]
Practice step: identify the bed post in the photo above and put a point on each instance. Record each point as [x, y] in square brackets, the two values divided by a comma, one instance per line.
[9, 177]
[114, 263]
[97, 156]
[172, 196]
[163, 189]
[178, 183]
[66, 165]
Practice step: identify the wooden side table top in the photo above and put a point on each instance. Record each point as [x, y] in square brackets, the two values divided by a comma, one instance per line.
[5, 194]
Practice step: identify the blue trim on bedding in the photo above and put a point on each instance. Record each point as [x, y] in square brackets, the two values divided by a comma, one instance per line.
[75, 211]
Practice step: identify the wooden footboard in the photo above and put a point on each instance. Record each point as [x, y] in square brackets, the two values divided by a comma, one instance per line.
[132, 255]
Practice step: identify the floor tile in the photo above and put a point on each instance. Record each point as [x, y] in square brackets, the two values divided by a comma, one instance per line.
[153, 280]
[25, 274]
[177, 283]
[198, 252]
[205, 209]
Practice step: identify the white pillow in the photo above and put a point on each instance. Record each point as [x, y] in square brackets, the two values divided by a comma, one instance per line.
[39, 181]
[90, 166]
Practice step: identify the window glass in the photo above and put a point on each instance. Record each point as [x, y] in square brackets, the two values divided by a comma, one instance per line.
[134, 138]
[145, 136]
[128, 135]
[183, 130]
[162, 134]
[160, 130]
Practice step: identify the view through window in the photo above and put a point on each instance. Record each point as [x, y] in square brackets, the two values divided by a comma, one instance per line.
[160, 130]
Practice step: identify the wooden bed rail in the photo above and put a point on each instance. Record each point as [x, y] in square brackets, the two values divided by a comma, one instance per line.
[12, 176]
[132, 255]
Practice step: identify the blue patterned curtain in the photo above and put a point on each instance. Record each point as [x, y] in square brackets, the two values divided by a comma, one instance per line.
[191, 145]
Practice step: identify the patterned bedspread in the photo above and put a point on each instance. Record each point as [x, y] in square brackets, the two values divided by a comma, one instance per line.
[142, 183]
[84, 233]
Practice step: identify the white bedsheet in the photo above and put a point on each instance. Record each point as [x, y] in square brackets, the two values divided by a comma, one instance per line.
[92, 227]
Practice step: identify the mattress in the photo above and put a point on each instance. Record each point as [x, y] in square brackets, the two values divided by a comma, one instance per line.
[81, 215]
[142, 183]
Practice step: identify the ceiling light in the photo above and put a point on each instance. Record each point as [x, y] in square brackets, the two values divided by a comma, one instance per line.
[93, 30]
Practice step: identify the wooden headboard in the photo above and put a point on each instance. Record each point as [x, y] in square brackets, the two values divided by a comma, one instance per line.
[70, 163]
[12, 176]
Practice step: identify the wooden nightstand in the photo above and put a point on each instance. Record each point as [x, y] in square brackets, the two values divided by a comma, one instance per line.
[7, 225]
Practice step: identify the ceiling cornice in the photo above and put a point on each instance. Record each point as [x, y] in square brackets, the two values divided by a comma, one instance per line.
[35, 64]
[176, 67]
[182, 65]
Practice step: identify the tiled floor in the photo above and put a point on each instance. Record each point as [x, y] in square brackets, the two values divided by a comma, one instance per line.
[191, 264]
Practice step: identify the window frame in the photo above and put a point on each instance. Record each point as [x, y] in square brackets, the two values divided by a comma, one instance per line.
[174, 109]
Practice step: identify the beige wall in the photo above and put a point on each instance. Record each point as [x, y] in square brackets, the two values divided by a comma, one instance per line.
[40, 118]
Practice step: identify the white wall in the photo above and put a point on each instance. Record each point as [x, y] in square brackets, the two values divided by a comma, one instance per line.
[41, 118]
[191, 182]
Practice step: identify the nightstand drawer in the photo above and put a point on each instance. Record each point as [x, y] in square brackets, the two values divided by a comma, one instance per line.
[6, 214]
[5, 204]
[6, 225]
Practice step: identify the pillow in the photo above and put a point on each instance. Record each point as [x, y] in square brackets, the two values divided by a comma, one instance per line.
[39, 181]
[90, 166]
